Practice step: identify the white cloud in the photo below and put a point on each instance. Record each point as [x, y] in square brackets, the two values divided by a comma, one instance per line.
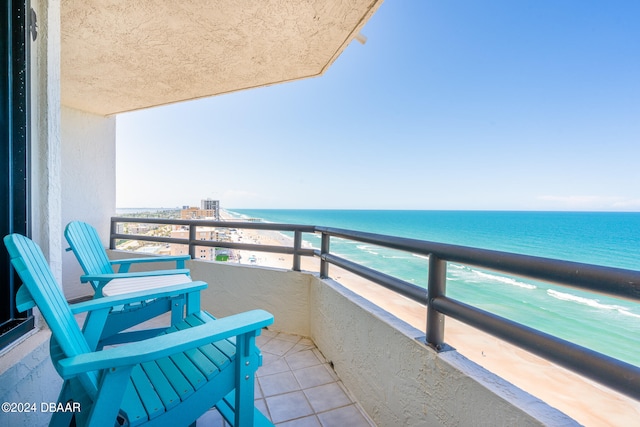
[586, 202]
[628, 204]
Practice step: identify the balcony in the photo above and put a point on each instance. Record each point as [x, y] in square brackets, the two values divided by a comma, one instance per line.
[376, 366]
[323, 380]
[380, 355]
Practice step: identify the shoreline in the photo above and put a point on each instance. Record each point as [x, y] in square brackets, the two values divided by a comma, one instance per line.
[586, 401]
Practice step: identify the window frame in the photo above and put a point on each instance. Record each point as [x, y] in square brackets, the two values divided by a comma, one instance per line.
[15, 139]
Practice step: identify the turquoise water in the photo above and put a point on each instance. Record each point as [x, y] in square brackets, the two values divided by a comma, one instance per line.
[607, 325]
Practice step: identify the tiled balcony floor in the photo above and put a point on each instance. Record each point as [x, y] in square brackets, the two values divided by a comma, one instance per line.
[297, 387]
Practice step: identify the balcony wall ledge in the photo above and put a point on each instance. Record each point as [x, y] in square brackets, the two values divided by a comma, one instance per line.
[398, 380]
[233, 288]
[24, 368]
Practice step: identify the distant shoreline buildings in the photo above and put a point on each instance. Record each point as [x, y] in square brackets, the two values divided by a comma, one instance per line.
[209, 209]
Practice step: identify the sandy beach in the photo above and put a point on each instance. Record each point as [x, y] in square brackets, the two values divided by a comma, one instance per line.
[586, 401]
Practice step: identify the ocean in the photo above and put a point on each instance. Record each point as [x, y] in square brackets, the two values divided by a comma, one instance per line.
[607, 325]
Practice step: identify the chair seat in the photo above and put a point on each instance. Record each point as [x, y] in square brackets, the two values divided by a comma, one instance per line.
[157, 387]
[124, 286]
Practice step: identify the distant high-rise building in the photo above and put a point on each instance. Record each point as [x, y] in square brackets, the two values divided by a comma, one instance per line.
[211, 205]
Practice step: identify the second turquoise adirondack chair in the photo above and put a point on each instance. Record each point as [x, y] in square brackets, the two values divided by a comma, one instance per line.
[85, 243]
[98, 268]
[168, 380]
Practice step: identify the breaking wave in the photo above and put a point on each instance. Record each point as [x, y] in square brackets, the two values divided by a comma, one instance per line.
[591, 302]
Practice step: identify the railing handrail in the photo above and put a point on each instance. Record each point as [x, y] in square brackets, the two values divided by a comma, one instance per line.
[612, 281]
[272, 226]
[297, 250]
[617, 282]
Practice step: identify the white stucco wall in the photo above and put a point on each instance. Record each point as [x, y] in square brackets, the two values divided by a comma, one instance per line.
[27, 375]
[401, 382]
[46, 186]
[236, 288]
[88, 182]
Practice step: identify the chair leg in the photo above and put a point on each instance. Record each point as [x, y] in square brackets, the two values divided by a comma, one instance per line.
[63, 419]
[109, 398]
[74, 393]
[245, 380]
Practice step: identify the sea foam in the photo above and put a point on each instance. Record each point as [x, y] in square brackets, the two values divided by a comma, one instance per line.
[506, 280]
[591, 302]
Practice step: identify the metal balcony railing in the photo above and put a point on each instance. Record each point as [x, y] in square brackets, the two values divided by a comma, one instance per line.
[621, 283]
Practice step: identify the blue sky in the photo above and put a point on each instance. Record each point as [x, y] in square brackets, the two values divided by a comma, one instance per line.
[500, 105]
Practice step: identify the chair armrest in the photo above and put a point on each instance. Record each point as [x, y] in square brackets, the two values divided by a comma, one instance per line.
[106, 278]
[162, 258]
[166, 345]
[133, 297]
[126, 263]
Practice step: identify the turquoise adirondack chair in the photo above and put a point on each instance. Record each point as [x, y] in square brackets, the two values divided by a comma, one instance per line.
[85, 243]
[168, 380]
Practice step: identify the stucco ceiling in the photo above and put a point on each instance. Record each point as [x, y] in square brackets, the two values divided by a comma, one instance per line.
[123, 55]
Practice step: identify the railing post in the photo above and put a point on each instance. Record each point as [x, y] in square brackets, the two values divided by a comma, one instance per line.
[324, 249]
[297, 244]
[192, 241]
[436, 288]
[112, 240]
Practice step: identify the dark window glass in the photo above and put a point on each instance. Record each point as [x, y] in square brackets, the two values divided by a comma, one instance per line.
[14, 157]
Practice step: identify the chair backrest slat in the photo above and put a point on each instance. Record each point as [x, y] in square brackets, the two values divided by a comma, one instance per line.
[86, 245]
